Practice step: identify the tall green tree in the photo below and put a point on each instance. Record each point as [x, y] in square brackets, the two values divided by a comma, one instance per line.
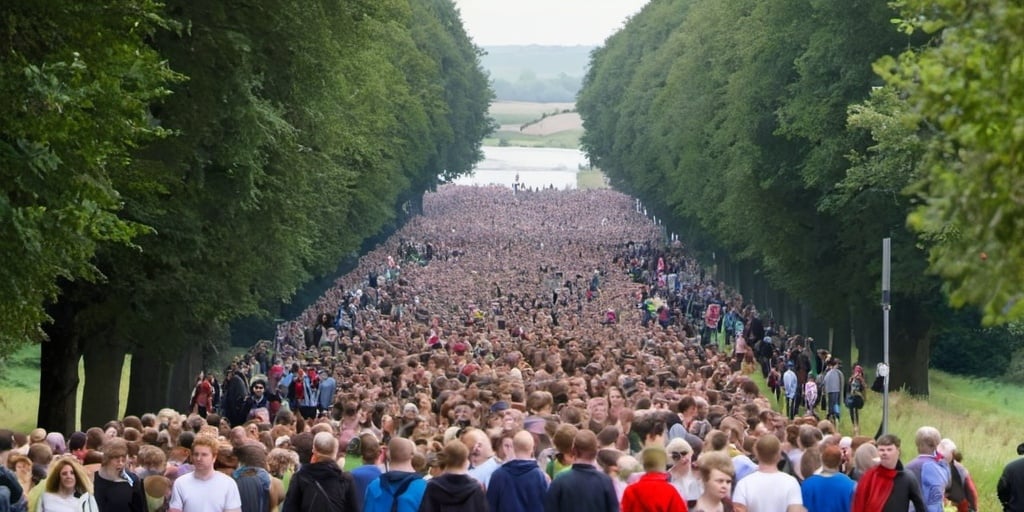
[734, 120]
[967, 89]
[297, 134]
[76, 83]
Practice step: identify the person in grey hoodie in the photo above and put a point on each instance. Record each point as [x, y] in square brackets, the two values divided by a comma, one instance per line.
[519, 484]
[454, 490]
[834, 382]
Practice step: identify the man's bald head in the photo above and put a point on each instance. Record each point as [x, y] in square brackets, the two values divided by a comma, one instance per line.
[400, 450]
[522, 444]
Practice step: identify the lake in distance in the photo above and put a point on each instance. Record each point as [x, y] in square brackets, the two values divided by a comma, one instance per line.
[535, 167]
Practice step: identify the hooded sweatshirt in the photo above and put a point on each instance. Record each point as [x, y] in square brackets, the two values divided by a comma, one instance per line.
[454, 493]
[381, 493]
[335, 492]
[517, 486]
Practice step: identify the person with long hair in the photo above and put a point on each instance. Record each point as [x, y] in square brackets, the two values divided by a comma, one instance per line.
[855, 396]
[67, 489]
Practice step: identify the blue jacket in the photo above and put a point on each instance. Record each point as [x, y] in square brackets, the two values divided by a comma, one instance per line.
[381, 492]
[517, 486]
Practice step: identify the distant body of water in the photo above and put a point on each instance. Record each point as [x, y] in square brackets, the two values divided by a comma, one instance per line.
[535, 167]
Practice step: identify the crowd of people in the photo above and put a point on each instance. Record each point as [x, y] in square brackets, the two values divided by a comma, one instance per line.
[537, 350]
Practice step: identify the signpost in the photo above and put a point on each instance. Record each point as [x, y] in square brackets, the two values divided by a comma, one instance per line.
[883, 369]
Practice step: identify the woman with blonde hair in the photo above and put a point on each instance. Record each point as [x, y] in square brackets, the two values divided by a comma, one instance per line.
[865, 458]
[67, 489]
[716, 473]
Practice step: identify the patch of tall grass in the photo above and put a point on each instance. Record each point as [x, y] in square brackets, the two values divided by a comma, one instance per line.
[978, 415]
[19, 389]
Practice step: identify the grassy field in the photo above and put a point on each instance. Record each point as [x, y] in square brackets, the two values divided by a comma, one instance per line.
[569, 139]
[19, 389]
[977, 415]
[520, 112]
[590, 180]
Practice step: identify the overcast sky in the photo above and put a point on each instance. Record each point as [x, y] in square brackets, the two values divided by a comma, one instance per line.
[545, 22]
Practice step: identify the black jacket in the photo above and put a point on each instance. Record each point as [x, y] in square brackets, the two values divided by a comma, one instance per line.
[336, 492]
[1011, 487]
[122, 496]
[453, 493]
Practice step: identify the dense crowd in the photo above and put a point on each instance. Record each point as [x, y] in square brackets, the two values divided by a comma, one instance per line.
[537, 350]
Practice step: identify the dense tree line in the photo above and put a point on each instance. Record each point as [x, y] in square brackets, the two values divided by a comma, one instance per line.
[786, 134]
[529, 87]
[171, 167]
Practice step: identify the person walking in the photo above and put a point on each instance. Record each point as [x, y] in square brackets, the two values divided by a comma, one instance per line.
[454, 490]
[205, 489]
[401, 488]
[1010, 488]
[855, 397]
[830, 490]
[67, 488]
[768, 489]
[716, 472]
[116, 488]
[653, 492]
[519, 484]
[887, 487]
[584, 488]
[790, 385]
[321, 485]
[834, 382]
[931, 471]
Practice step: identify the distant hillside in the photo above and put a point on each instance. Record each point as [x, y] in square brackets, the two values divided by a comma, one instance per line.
[536, 73]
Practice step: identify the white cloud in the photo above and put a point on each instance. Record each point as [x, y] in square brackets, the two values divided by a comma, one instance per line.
[545, 22]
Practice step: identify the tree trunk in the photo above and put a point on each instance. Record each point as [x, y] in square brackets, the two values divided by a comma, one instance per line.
[867, 331]
[841, 341]
[746, 281]
[101, 398]
[909, 346]
[149, 383]
[58, 372]
[183, 378]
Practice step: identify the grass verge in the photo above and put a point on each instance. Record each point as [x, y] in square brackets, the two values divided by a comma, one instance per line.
[568, 139]
[976, 414]
[19, 389]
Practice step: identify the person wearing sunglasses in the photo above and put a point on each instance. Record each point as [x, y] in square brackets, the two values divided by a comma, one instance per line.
[680, 470]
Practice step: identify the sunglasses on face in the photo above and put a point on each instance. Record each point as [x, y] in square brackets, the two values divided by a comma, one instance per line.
[678, 456]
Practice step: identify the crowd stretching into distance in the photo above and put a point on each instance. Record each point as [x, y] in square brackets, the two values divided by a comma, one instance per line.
[533, 351]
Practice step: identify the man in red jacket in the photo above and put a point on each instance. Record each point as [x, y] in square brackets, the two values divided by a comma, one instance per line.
[653, 492]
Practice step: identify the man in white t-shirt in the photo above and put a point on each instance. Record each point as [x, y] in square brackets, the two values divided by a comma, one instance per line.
[768, 489]
[205, 490]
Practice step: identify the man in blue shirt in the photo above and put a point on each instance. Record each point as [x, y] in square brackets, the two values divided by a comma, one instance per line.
[929, 468]
[830, 490]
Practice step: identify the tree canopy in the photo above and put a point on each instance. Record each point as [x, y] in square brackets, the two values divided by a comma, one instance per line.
[172, 167]
[787, 135]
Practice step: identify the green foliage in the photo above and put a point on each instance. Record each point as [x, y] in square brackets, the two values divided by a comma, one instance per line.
[962, 347]
[76, 82]
[730, 118]
[300, 131]
[967, 89]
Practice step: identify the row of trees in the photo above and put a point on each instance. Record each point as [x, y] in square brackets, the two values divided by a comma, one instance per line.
[786, 134]
[168, 168]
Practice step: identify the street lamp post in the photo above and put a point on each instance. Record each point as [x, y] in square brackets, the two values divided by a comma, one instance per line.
[883, 369]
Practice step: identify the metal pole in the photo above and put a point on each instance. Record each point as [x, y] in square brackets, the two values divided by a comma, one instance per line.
[886, 257]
